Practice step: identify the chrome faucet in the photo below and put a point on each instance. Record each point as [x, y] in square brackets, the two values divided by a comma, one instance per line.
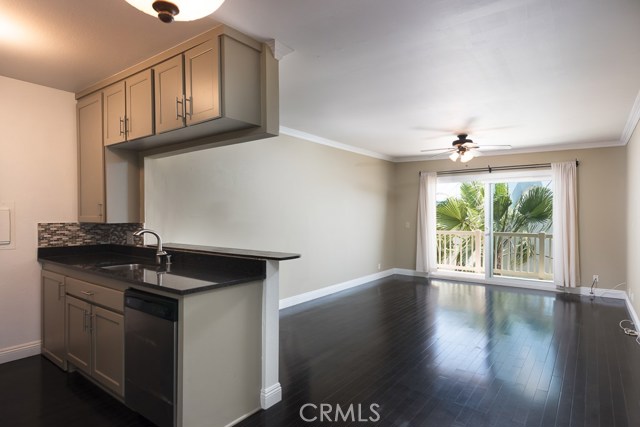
[159, 251]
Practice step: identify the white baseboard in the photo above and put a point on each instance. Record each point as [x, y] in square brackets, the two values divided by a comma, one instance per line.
[270, 396]
[319, 293]
[245, 416]
[632, 313]
[607, 293]
[583, 290]
[407, 272]
[21, 351]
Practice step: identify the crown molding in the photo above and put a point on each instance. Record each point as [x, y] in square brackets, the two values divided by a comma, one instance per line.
[632, 121]
[524, 150]
[279, 49]
[330, 143]
[405, 159]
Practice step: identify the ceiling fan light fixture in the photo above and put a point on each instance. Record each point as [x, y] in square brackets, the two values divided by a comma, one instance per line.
[466, 156]
[179, 10]
[454, 156]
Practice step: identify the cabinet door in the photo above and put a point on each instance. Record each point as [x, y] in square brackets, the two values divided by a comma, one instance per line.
[108, 349]
[169, 94]
[114, 113]
[202, 82]
[78, 333]
[90, 159]
[53, 318]
[139, 114]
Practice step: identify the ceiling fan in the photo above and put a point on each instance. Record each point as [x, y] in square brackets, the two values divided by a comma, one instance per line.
[465, 149]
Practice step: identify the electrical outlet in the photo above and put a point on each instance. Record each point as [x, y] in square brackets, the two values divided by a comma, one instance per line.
[129, 238]
[631, 295]
[379, 266]
[596, 278]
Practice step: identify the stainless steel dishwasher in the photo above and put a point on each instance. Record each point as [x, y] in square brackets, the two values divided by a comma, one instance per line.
[150, 324]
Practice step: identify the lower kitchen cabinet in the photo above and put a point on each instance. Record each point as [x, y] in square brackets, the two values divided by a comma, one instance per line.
[53, 318]
[107, 356]
[78, 333]
[95, 341]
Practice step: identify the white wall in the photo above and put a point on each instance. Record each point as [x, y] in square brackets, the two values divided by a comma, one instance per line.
[279, 194]
[38, 173]
[632, 224]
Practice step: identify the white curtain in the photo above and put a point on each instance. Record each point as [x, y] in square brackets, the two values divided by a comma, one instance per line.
[566, 260]
[426, 227]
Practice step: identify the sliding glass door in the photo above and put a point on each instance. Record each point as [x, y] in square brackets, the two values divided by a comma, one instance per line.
[496, 225]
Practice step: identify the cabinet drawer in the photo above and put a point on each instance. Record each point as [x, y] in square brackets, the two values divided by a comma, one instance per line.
[110, 298]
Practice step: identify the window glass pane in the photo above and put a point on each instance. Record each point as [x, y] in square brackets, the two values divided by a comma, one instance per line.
[520, 229]
[523, 229]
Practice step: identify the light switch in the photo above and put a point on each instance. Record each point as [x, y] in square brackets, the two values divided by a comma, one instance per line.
[5, 226]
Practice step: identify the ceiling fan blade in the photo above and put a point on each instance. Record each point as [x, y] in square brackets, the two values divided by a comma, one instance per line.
[469, 123]
[494, 147]
[480, 130]
[446, 153]
[470, 145]
[435, 129]
[444, 150]
[443, 136]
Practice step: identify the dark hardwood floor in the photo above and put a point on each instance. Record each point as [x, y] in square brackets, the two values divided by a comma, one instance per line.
[405, 352]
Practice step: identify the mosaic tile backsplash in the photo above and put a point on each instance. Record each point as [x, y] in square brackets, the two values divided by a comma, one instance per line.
[74, 234]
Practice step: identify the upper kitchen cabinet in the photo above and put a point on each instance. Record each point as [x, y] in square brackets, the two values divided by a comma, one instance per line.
[108, 179]
[128, 109]
[90, 159]
[219, 88]
[216, 81]
[169, 94]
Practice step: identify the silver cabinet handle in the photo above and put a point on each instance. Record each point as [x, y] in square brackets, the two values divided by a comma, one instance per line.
[181, 110]
[100, 209]
[122, 130]
[127, 126]
[190, 101]
[60, 290]
[87, 293]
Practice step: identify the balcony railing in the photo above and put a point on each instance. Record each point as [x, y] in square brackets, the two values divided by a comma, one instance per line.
[526, 255]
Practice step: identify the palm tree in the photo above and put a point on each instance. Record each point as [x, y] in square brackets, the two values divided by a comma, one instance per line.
[531, 213]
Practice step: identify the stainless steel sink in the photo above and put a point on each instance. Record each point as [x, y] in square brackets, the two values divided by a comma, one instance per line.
[130, 267]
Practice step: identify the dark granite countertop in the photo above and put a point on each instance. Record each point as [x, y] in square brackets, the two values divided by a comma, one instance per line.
[241, 253]
[190, 272]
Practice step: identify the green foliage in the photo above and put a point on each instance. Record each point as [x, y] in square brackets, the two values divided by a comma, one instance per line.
[531, 213]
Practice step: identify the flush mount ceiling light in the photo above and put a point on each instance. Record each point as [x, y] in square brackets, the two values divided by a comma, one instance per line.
[179, 10]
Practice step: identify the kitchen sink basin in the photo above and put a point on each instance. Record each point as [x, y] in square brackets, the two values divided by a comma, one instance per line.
[130, 267]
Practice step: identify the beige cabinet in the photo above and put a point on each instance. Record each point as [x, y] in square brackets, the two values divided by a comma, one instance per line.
[90, 159]
[53, 313]
[202, 82]
[107, 352]
[216, 80]
[108, 179]
[128, 109]
[217, 88]
[169, 94]
[94, 334]
[114, 113]
[78, 333]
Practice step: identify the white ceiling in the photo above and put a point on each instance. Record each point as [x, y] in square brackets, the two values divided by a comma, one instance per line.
[392, 77]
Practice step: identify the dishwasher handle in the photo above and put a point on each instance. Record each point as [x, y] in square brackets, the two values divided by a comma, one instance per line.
[154, 305]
